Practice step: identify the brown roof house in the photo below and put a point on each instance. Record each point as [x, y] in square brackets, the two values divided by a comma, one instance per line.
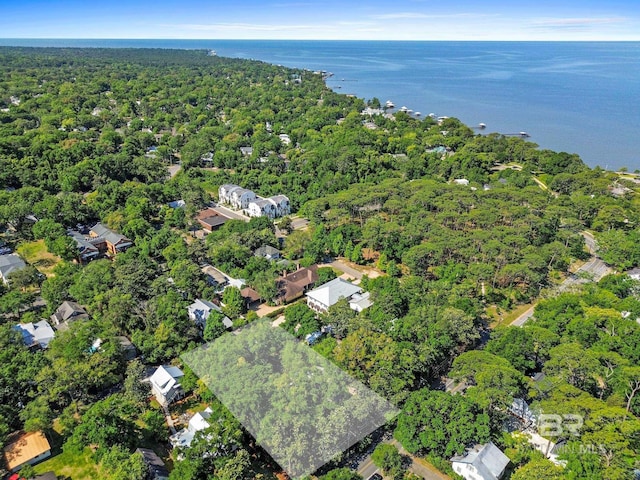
[251, 297]
[112, 242]
[26, 448]
[294, 285]
[211, 220]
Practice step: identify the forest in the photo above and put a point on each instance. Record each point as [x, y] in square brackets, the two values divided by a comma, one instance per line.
[463, 230]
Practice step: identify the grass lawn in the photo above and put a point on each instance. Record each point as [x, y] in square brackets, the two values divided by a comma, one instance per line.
[72, 466]
[36, 254]
[504, 317]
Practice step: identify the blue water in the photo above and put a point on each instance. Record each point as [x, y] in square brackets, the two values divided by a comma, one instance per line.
[581, 98]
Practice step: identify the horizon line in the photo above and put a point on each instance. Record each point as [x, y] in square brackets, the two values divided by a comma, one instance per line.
[323, 40]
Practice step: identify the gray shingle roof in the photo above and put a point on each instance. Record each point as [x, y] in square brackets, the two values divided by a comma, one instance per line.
[10, 263]
[488, 460]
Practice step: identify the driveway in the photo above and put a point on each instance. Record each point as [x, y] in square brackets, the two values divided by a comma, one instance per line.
[227, 212]
[174, 169]
[299, 223]
[352, 272]
[420, 467]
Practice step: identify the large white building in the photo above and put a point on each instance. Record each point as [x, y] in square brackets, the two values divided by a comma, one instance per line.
[272, 207]
[253, 205]
[325, 296]
[235, 196]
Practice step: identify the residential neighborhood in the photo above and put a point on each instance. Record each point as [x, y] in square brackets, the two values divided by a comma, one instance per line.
[479, 293]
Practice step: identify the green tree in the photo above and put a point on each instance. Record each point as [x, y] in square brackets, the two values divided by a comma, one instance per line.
[37, 415]
[341, 318]
[387, 458]
[214, 327]
[237, 467]
[135, 390]
[440, 424]
[24, 278]
[265, 285]
[300, 320]
[541, 469]
[28, 472]
[234, 305]
[341, 474]
[105, 424]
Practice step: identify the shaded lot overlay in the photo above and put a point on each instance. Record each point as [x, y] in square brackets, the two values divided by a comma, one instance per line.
[298, 405]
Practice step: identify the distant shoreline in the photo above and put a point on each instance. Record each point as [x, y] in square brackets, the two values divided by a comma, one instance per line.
[569, 96]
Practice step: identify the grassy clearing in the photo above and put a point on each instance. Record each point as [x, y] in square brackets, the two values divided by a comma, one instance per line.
[72, 466]
[36, 254]
[499, 317]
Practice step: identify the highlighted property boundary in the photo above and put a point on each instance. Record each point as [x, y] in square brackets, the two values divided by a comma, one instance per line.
[301, 408]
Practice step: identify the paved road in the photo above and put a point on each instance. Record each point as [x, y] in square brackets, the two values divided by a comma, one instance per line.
[522, 319]
[420, 467]
[590, 241]
[299, 223]
[174, 169]
[594, 270]
[367, 468]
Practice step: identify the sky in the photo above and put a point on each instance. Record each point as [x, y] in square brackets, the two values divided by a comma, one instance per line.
[324, 19]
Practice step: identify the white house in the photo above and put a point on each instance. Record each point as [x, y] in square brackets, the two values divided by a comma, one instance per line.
[197, 423]
[634, 273]
[327, 295]
[268, 252]
[283, 206]
[200, 310]
[285, 139]
[165, 384]
[360, 301]
[461, 181]
[482, 462]
[235, 196]
[272, 207]
[246, 151]
[39, 333]
[261, 207]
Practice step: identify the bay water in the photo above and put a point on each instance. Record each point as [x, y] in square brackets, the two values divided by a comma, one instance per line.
[578, 97]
